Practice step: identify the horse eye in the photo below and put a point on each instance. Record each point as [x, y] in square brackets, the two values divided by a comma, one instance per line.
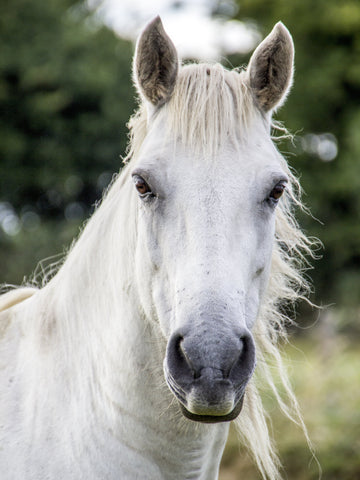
[141, 186]
[277, 191]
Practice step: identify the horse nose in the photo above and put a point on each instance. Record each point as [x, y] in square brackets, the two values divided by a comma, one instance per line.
[211, 357]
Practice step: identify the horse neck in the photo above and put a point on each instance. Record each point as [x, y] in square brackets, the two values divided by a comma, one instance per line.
[114, 353]
[92, 301]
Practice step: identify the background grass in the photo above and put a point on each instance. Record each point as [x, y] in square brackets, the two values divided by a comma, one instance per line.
[325, 372]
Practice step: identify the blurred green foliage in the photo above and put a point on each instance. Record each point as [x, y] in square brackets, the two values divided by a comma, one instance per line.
[65, 98]
[325, 373]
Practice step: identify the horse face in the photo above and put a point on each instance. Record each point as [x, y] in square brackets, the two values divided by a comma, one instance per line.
[205, 235]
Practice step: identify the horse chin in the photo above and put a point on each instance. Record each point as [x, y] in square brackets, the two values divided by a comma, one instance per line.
[213, 418]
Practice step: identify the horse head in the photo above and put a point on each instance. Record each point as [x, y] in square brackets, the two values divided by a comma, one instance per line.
[208, 180]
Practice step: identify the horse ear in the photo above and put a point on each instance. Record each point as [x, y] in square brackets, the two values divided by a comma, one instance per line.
[271, 68]
[155, 64]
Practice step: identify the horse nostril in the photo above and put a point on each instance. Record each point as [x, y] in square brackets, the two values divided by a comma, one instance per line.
[177, 344]
[195, 373]
[177, 348]
[243, 367]
[183, 358]
[177, 360]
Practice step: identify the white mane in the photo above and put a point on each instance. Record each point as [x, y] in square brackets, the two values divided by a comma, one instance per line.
[202, 120]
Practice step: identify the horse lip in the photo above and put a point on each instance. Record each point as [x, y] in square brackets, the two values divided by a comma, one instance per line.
[214, 418]
[181, 393]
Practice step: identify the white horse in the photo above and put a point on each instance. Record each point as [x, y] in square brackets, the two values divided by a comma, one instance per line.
[132, 360]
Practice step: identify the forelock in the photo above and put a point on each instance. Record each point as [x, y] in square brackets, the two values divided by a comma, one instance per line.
[210, 105]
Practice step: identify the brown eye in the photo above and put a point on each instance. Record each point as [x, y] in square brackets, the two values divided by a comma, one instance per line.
[141, 186]
[277, 191]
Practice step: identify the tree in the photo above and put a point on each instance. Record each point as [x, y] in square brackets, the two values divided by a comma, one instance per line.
[65, 98]
[64, 102]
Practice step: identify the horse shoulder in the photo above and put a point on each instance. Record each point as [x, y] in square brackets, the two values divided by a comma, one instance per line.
[13, 297]
[9, 300]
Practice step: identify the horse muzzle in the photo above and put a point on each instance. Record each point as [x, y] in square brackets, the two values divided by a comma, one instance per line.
[208, 371]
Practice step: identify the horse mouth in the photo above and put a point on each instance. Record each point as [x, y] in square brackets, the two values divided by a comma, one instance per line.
[213, 418]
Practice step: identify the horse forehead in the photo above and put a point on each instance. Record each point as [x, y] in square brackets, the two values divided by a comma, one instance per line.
[177, 159]
[177, 164]
[229, 170]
